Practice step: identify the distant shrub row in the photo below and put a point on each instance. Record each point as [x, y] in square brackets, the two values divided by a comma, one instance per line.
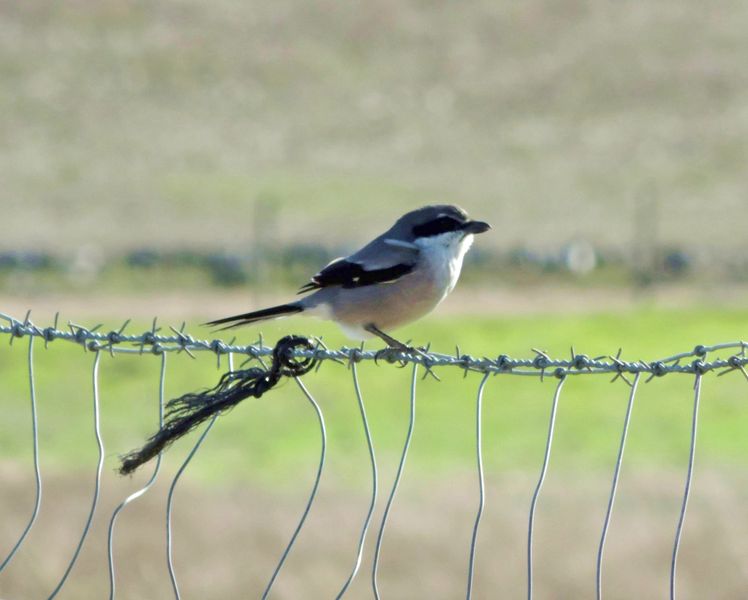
[295, 263]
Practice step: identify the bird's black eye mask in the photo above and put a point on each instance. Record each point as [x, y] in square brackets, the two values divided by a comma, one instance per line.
[437, 226]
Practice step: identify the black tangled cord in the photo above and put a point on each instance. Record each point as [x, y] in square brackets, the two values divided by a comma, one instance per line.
[185, 413]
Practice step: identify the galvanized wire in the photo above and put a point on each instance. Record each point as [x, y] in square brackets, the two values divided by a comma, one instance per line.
[691, 362]
[37, 470]
[541, 480]
[312, 496]
[614, 488]
[395, 484]
[170, 502]
[117, 341]
[137, 494]
[373, 502]
[170, 497]
[687, 490]
[481, 483]
[97, 486]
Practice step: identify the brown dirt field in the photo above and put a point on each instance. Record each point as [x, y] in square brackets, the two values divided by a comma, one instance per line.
[228, 539]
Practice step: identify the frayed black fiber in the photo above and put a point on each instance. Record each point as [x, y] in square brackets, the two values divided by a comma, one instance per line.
[185, 413]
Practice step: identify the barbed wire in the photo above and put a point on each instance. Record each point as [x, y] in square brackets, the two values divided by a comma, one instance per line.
[692, 362]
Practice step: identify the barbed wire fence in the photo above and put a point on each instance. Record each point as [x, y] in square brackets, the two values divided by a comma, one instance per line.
[702, 360]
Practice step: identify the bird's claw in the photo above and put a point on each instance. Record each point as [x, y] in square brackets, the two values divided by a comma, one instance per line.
[391, 352]
[394, 354]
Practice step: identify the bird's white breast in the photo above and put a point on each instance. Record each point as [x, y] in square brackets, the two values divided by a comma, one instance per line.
[442, 255]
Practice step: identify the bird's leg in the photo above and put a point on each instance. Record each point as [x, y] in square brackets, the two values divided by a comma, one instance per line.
[392, 342]
[398, 346]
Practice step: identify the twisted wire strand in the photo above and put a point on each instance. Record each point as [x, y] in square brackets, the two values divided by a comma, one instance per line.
[189, 411]
[116, 341]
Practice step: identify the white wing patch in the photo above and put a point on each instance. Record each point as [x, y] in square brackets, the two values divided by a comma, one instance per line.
[401, 244]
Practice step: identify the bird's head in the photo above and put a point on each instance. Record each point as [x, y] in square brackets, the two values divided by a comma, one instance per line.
[441, 224]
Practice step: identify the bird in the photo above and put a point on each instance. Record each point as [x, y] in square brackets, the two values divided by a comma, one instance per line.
[397, 278]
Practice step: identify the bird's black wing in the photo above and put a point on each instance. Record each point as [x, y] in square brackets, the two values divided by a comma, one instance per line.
[348, 274]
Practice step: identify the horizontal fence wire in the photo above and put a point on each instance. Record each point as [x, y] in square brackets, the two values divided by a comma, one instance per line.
[693, 362]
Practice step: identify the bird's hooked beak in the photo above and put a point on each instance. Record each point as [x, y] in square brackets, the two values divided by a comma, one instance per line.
[476, 227]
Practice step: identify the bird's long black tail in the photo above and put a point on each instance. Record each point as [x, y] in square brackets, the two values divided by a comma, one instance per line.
[258, 315]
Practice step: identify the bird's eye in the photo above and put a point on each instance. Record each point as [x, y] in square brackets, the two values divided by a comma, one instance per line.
[436, 227]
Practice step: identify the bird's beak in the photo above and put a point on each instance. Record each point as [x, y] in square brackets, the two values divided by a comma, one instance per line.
[476, 227]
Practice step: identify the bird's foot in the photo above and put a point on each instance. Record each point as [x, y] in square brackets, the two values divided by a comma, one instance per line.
[394, 353]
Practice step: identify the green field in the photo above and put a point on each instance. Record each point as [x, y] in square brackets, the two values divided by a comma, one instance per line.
[276, 436]
[242, 494]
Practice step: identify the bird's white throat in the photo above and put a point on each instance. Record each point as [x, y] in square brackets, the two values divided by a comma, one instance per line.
[444, 253]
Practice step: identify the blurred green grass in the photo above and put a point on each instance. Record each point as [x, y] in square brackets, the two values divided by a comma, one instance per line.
[275, 437]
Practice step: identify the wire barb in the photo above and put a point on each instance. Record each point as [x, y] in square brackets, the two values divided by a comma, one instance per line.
[294, 356]
[117, 341]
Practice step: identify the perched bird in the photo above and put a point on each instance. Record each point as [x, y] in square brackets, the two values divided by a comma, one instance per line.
[395, 279]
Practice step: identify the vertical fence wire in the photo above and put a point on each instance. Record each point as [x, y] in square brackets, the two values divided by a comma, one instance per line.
[312, 496]
[170, 496]
[614, 488]
[170, 503]
[541, 480]
[687, 490]
[96, 342]
[373, 502]
[481, 483]
[97, 486]
[137, 494]
[396, 483]
[37, 470]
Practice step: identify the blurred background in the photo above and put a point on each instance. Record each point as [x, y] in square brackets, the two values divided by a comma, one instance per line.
[190, 160]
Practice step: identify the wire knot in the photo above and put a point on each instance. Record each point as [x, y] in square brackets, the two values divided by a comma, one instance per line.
[81, 335]
[658, 369]
[286, 362]
[17, 329]
[219, 347]
[503, 363]
[699, 367]
[581, 361]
